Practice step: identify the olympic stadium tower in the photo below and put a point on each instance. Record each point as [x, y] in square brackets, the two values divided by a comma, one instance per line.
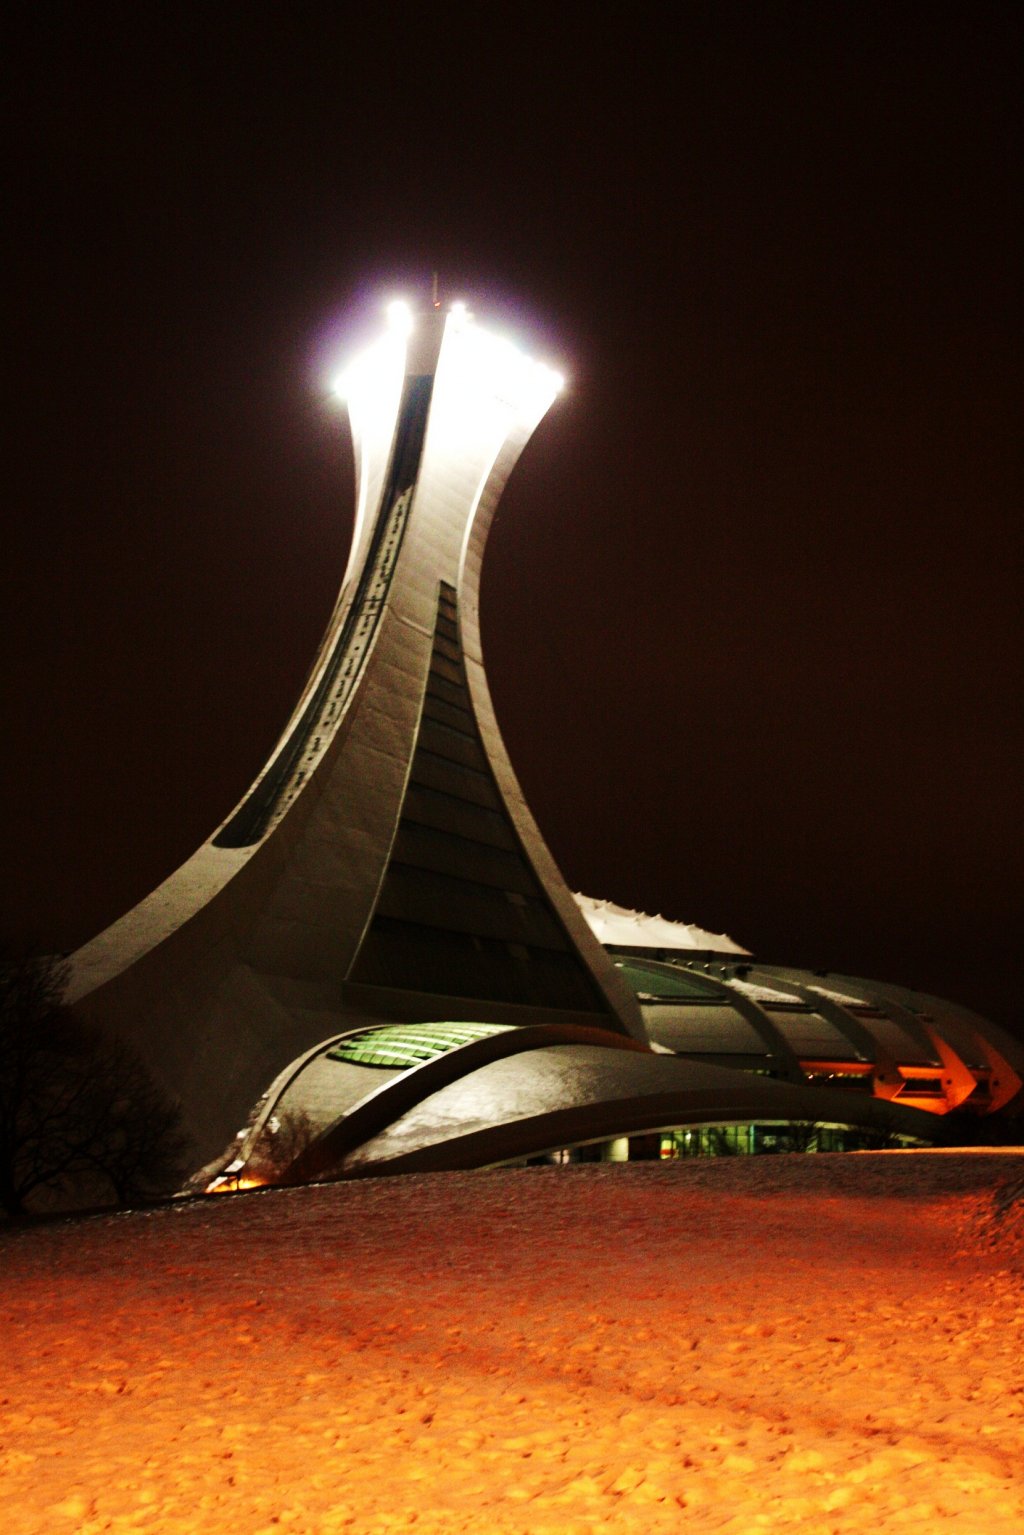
[374, 958]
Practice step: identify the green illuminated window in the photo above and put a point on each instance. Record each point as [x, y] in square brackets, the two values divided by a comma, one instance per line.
[402, 1045]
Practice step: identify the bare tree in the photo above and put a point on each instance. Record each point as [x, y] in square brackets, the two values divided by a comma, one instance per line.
[283, 1138]
[80, 1116]
[801, 1135]
[127, 1129]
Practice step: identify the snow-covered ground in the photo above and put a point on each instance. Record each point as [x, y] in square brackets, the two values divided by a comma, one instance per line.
[822, 1343]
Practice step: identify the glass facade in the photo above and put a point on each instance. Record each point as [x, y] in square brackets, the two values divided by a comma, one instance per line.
[756, 1139]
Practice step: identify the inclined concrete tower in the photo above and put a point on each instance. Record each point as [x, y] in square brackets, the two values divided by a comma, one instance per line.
[384, 865]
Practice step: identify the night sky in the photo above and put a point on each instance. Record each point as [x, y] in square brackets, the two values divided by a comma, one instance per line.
[751, 605]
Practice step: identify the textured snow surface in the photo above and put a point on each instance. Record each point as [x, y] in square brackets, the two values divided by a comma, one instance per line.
[822, 1344]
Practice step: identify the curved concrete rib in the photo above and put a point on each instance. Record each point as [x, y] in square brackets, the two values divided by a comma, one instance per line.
[540, 1100]
[383, 1106]
[886, 1078]
[777, 1046]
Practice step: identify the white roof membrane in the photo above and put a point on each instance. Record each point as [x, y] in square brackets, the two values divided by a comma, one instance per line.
[635, 929]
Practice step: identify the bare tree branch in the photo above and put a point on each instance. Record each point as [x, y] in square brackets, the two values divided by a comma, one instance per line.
[80, 1116]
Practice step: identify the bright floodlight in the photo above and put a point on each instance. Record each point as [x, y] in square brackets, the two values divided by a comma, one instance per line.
[459, 316]
[400, 316]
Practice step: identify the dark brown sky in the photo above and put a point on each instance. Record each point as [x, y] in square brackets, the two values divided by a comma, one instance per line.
[752, 601]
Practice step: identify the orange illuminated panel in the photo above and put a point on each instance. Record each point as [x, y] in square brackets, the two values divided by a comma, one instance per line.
[837, 1069]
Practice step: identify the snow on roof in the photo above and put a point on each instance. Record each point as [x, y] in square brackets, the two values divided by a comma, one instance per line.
[761, 993]
[635, 929]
